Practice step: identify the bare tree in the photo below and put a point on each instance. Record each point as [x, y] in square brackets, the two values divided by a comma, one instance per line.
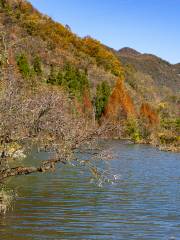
[43, 116]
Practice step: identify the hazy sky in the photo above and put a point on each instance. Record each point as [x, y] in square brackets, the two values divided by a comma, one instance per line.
[151, 26]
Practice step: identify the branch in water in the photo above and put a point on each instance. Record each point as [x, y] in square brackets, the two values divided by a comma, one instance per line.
[46, 166]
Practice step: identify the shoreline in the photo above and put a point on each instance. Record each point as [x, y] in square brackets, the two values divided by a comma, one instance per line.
[165, 148]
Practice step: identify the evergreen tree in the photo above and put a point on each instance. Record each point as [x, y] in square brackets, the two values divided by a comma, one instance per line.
[102, 95]
[75, 81]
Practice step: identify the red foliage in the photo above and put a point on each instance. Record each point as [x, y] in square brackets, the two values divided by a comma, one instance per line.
[148, 113]
[87, 101]
[120, 104]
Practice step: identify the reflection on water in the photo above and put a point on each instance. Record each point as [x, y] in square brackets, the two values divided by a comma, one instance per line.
[144, 204]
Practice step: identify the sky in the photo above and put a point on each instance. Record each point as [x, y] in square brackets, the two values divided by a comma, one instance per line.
[149, 26]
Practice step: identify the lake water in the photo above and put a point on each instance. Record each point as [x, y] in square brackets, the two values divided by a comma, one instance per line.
[143, 204]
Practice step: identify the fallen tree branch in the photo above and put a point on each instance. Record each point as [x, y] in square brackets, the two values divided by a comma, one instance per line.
[46, 166]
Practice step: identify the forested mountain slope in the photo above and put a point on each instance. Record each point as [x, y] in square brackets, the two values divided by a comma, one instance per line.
[103, 84]
[162, 73]
[155, 79]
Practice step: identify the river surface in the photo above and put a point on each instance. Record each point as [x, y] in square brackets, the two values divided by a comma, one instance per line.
[143, 204]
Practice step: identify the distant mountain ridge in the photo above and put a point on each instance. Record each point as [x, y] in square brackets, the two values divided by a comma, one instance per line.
[128, 51]
[177, 68]
[162, 72]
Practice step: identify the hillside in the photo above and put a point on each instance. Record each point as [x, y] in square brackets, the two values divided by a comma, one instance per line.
[177, 68]
[162, 73]
[153, 78]
[38, 53]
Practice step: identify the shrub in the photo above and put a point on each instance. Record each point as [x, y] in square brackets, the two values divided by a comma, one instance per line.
[2, 3]
[132, 129]
[171, 124]
[30, 27]
[24, 66]
[37, 66]
[52, 78]
[168, 138]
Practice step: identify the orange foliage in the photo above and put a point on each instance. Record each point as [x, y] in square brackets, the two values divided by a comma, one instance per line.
[61, 37]
[147, 112]
[120, 104]
[77, 106]
[87, 101]
[102, 55]
[25, 6]
[83, 107]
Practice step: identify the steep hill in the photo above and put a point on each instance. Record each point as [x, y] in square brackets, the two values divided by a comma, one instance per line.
[27, 31]
[103, 83]
[152, 78]
[44, 51]
[177, 68]
[126, 51]
[162, 73]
